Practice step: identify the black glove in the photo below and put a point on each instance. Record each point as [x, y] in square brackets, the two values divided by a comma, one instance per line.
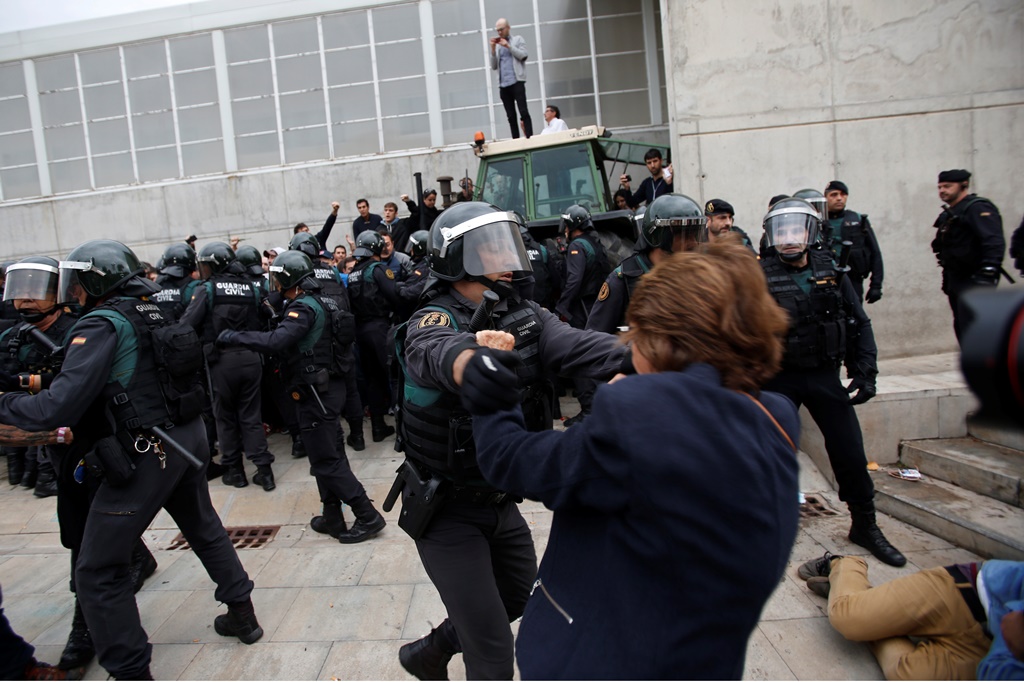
[987, 277]
[489, 382]
[874, 295]
[865, 389]
[225, 338]
[1018, 263]
[9, 382]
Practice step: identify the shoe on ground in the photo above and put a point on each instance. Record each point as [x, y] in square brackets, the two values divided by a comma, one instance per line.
[817, 568]
[321, 525]
[870, 537]
[383, 432]
[235, 477]
[44, 671]
[572, 421]
[363, 530]
[298, 448]
[140, 570]
[819, 585]
[239, 621]
[265, 478]
[79, 649]
[425, 659]
[45, 487]
[356, 441]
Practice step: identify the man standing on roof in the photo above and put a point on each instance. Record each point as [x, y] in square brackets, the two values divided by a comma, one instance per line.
[508, 58]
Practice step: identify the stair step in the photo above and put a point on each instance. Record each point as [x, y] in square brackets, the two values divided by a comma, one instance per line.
[972, 464]
[975, 522]
[996, 432]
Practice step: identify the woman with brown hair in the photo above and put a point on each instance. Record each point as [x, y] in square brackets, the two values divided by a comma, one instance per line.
[675, 503]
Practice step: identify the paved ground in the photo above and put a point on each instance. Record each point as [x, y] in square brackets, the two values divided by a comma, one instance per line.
[334, 611]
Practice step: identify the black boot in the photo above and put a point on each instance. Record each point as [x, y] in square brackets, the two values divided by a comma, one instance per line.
[46, 482]
[79, 649]
[15, 466]
[355, 438]
[235, 476]
[298, 448]
[143, 565]
[215, 470]
[380, 430]
[28, 479]
[368, 523]
[866, 533]
[427, 658]
[239, 621]
[264, 477]
[331, 522]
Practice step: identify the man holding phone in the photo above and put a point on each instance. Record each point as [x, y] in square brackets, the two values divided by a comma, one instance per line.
[508, 58]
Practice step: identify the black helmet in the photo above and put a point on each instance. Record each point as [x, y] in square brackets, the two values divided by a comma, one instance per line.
[791, 221]
[419, 241]
[669, 216]
[250, 258]
[306, 243]
[217, 256]
[290, 268]
[368, 243]
[178, 260]
[815, 198]
[97, 267]
[35, 278]
[472, 239]
[576, 217]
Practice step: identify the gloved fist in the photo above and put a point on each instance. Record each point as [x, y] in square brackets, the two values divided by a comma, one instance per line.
[489, 381]
[874, 295]
[865, 389]
[225, 338]
[987, 277]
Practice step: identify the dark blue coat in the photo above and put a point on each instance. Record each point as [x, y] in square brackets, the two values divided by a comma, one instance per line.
[675, 512]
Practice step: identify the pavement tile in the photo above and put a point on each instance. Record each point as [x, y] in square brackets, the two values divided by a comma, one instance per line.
[34, 573]
[41, 543]
[942, 557]
[327, 565]
[791, 599]
[193, 621]
[426, 611]
[260, 661]
[814, 651]
[31, 615]
[763, 662]
[346, 613]
[394, 563]
[375, 660]
[263, 508]
[383, 468]
[188, 573]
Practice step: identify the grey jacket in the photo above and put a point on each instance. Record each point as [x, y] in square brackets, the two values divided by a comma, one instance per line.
[517, 46]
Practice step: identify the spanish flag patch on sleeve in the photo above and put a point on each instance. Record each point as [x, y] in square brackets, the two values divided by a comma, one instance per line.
[78, 341]
[293, 314]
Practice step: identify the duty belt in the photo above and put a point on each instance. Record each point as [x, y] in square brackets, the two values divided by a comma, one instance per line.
[482, 497]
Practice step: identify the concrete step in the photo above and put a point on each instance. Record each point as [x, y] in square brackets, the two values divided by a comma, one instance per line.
[998, 433]
[975, 522]
[972, 464]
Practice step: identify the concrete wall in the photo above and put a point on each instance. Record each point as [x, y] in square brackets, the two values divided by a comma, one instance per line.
[769, 98]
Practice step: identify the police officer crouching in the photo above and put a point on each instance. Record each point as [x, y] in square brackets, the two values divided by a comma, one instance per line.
[474, 543]
[128, 388]
[314, 339]
[822, 306]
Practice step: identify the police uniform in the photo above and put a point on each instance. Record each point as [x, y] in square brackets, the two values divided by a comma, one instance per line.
[175, 294]
[410, 289]
[547, 279]
[865, 256]
[373, 295]
[609, 311]
[586, 266]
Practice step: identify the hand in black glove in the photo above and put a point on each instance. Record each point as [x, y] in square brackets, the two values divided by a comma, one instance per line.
[489, 382]
[225, 338]
[865, 389]
[987, 276]
[9, 382]
[874, 295]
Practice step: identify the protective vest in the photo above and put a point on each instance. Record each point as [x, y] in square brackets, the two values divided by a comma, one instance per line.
[543, 291]
[437, 431]
[18, 353]
[364, 294]
[956, 245]
[325, 350]
[853, 227]
[597, 264]
[817, 321]
[234, 305]
[330, 284]
[630, 271]
[174, 295]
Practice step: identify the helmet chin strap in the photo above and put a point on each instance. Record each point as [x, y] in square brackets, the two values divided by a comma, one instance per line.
[37, 316]
[792, 257]
[502, 288]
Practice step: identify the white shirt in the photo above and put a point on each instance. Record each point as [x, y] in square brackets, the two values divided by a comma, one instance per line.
[557, 125]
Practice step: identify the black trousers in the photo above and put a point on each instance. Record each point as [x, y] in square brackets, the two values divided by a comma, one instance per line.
[829, 404]
[236, 377]
[371, 336]
[512, 96]
[483, 563]
[325, 446]
[117, 517]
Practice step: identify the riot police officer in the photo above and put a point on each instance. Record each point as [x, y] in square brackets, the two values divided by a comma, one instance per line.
[313, 339]
[547, 278]
[178, 279]
[586, 266]
[474, 543]
[822, 307]
[969, 244]
[129, 375]
[8, 315]
[252, 262]
[410, 288]
[865, 256]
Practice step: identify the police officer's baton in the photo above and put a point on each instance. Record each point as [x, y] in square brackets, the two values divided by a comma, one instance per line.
[1005, 274]
[482, 315]
[316, 396]
[176, 447]
[52, 349]
[843, 268]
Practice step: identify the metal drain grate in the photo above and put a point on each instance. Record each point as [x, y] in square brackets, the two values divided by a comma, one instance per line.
[814, 508]
[242, 537]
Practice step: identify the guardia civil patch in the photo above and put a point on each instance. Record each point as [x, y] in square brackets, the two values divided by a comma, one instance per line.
[389, 274]
[605, 292]
[435, 319]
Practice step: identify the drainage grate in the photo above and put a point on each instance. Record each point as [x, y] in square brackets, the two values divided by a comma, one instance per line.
[242, 537]
[814, 508]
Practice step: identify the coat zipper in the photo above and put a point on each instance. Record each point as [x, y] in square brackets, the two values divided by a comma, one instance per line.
[565, 614]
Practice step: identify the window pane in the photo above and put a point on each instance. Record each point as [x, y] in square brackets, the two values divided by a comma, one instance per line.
[17, 149]
[100, 66]
[243, 44]
[64, 143]
[55, 73]
[295, 37]
[151, 94]
[403, 97]
[60, 107]
[197, 87]
[249, 80]
[401, 59]
[157, 164]
[299, 73]
[254, 116]
[199, 124]
[457, 15]
[192, 52]
[348, 104]
[396, 22]
[459, 126]
[309, 144]
[349, 66]
[622, 72]
[569, 78]
[302, 109]
[503, 185]
[577, 111]
[146, 59]
[551, 10]
[69, 176]
[152, 130]
[561, 178]
[406, 133]
[565, 40]
[203, 158]
[256, 151]
[460, 52]
[519, 15]
[602, 7]
[102, 101]
[627, 109]
[351, 139]
[463, 89]
[14, 115]
[20, 183]
[108, 136]
[345, 29]
[113, 170]
[12, 79]
[618, 34]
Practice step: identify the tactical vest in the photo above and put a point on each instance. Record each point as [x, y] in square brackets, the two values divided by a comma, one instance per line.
[630, 271]
[852, 227]
[956, 246]
[326, 346]
[597, 264]
[234, 305]
[817, 321]
[18, 353]
[364, 294]
[543, 291]
[174, 295]
[437, 431]
[330, 284]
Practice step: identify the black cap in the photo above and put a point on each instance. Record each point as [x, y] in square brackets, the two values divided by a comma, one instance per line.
[718, 207]
[839, 185]
[955, 175]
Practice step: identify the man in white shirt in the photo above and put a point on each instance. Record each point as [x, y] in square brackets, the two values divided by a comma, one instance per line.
[553, 122]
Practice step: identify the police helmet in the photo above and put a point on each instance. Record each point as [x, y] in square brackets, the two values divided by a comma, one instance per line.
[249, 257]
[368, 243]
[815, 198]
[791, 226]
[290, 268]
[472, 239]
[671, 216]
[419, 241]
[217, 256]
[98, 268]
[306, 243]
[33, 278]
[575, 217]
[178, 260]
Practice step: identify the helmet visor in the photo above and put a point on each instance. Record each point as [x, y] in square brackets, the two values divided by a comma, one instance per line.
[819, 204]
[791, 228]
[69, 288]
[495, 247]
[678, 234]
[31, 280]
